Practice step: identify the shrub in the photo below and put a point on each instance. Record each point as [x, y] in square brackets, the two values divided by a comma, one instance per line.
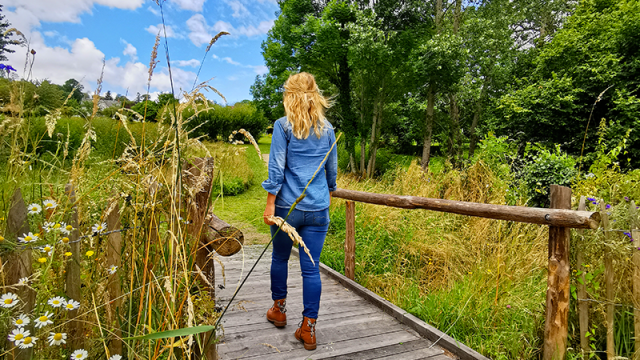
[221, 121]
[545, 169]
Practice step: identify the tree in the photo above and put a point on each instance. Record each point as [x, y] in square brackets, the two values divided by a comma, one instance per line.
[147, 109]
[77, 88]
[4, 39]
[108, 96]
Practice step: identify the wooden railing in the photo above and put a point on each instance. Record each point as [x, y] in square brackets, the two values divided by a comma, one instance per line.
[560, 219]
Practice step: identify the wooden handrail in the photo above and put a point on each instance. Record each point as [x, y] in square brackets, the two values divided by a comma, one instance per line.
[552, 217]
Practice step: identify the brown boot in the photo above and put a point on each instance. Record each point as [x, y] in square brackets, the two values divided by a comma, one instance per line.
[277, 314]
[307, 333]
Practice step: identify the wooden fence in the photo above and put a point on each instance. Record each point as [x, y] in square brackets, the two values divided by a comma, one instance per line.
[560, 219]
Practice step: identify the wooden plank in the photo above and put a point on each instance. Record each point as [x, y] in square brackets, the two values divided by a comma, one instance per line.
[635, 235]
[350, 241]
[73, 281]
[583, 305]
[430, 354]
[294, 350]
[114, 289]
[395, 351]
[555, 217]
[556, 325]
[608, 279]
[18, 265]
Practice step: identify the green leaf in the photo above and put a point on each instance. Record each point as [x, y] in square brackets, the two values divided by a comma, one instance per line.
[173, 333]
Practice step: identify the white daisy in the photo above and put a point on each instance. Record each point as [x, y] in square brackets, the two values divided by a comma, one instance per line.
[66, 229]
[8, 300]
[23, 281]
[28, 342]
[44, 320]
[56, 302]
[79, 354]
[57, 338]
[50, 204]
[58, 226]
[99, 228]
[48, 226]
[47, 249]
[21, 321]
[116, 357]
[64, 240]
[27, 238]
[17, 335]
[112, 269]
[71, 304]
[34, 209]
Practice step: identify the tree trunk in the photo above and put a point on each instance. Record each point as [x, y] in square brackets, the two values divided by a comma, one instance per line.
[473, 138]
[344, 100]
[363, 144]
[428, 130]
[455, 140]
[375, 130]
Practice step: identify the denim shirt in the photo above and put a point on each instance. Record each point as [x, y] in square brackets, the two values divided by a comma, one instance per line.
[293, 161]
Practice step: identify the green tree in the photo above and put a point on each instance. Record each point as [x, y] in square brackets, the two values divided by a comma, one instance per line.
[4, 39]
[147, 109]
[69, 86]
[108, 96]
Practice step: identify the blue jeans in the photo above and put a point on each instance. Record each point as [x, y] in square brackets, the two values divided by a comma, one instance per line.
[312, 226]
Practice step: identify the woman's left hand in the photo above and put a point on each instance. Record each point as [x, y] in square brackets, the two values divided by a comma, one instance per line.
[270, 209]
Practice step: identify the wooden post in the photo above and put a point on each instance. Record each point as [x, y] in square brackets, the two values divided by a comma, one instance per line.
[73, 282]
[350, 241]
[114, 251]
[558, 293]
[18, 264]
[608, 279]
[197, 211]
[583, 305]
[635, 235]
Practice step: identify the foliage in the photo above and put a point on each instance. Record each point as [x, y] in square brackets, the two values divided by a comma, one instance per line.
[544, 169]
[4, 38]
[221, 121]
[148, 109]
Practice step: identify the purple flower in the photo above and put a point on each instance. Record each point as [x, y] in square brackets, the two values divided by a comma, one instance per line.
[626, 198]
[508, 306]
[10, 68]
[2, 66]
[607, 206]
[594, 202]
[591, 199]
[628, 234]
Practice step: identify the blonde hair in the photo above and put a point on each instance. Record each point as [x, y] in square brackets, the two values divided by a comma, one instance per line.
[304, 105]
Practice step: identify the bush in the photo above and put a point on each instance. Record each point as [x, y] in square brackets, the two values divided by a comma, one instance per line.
[547, 168]
[221, 121]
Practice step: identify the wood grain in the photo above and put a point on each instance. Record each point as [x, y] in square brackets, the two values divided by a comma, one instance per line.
[583, 305]
[608, 279]
[73, 281]
[350, 241]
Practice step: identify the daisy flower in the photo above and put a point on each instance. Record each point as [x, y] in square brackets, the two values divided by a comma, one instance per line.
[23, 281]
[66, 229]
[28, 342]
[99, 228]
[64, 240]
[17, 335]
[27, 238]
[21, 321]
[116, 357]
[48, 226]
[34, 209]
[112, 269]
[47, 249]
[42, 260]
[79, 354]
[56, 302]
[58, 226]
[90, 253]
[71, 304]
[57, 338]
[50, 204]
[8, 300]
[44, 320]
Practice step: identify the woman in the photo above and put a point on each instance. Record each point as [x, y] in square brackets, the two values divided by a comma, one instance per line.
[300, 143]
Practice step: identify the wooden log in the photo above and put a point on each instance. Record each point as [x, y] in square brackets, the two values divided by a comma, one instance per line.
[114, 288]
[583, 304]
[221, 237]
[608, 279]
[19, 264]
[75, 329]
[199, 176]
[553, 217]
[350, 241]
[635, 235]
[556, 325]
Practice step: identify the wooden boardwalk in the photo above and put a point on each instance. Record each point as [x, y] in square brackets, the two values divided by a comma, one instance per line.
[349, 326]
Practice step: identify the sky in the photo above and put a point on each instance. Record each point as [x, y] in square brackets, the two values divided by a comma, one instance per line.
[72, 37]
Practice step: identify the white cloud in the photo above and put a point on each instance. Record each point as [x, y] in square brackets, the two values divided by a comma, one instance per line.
[199, 30]
[261, 69]
[187, 63]
[193, 5]
[239, 10]
[230, 61]
[154, 11]
[50, 33]
[130, 50]
[62, 10]
[155, 29]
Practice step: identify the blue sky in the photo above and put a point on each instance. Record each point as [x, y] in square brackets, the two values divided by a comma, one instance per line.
[72, 37]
